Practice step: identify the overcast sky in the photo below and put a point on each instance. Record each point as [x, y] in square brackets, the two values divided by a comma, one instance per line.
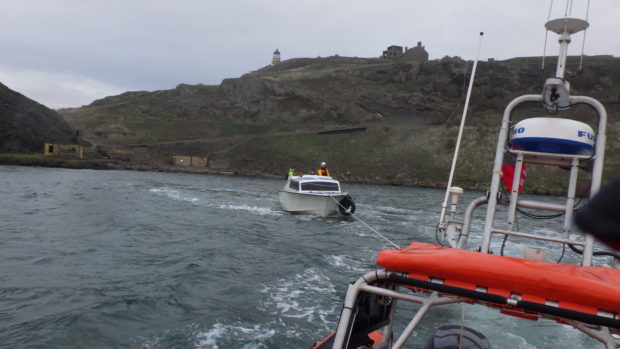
[67, 53]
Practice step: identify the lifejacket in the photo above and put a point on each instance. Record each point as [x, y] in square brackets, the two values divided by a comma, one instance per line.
[323, 172]
[290, 173]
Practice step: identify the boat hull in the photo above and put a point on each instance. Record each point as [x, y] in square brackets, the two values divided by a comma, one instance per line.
[312, 204]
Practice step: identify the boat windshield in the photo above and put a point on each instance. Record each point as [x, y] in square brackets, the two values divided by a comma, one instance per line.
[319, 186]
[294, 185]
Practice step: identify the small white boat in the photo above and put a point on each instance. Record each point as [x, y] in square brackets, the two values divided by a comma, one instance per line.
[315, 195]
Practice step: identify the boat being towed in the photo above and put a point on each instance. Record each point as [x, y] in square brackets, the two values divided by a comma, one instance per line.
[579, 295]
[315, 195]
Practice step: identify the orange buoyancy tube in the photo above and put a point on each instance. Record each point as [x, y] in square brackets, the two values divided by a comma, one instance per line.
[573, 287]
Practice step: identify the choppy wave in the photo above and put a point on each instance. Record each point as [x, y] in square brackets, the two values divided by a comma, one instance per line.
[179, 195]
[174, 194]
[347, 263]
[252, 209]
[395, 210]
[518, 341]
[219, 332]
[296, 297]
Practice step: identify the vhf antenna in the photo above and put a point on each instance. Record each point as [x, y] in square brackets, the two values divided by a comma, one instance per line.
[567, 12]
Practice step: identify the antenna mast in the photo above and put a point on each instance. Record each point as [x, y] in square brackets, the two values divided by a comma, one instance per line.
[583, 43]
[546, 34]
[555, 92]
[444, 204]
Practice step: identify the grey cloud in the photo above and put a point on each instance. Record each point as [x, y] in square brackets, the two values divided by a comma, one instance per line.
[156, 44]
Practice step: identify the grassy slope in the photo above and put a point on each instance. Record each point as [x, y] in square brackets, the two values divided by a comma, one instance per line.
[402, 148]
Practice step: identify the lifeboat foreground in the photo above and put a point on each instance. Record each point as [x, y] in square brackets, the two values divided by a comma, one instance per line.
[526, 285]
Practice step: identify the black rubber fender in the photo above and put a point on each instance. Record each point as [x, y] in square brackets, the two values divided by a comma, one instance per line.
[448, 337]
[346, 206]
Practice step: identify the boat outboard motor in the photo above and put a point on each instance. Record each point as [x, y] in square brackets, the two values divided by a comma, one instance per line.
[448, 337]
[346, 206]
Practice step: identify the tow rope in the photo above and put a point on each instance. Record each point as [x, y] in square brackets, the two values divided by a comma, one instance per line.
[366, 225]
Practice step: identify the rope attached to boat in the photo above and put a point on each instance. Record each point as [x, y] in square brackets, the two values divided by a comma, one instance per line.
[366, 225]
[462, 325]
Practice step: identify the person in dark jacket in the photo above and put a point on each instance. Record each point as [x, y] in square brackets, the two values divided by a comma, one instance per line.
[601, 216]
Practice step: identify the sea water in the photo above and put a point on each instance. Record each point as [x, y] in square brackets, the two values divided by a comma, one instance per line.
[121, 259]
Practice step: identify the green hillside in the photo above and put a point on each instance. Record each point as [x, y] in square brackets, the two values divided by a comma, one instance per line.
[270, 119]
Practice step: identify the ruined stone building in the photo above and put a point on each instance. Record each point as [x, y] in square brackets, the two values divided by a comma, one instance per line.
[393, 52]
[417, 54]
[414, 54]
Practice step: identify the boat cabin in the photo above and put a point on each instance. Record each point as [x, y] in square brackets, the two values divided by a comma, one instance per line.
[311, 183]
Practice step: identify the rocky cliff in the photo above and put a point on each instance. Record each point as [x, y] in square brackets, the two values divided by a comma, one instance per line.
[26, 125]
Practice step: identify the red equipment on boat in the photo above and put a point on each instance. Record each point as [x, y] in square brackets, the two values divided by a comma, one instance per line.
[589, 290]
[508, 173]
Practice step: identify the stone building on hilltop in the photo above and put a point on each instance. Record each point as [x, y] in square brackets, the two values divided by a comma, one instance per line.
[417, 54]
[393, 52]
[276, 57]
[414, 54]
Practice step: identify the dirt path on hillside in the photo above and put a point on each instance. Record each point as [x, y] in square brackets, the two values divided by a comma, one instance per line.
[238, 138]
